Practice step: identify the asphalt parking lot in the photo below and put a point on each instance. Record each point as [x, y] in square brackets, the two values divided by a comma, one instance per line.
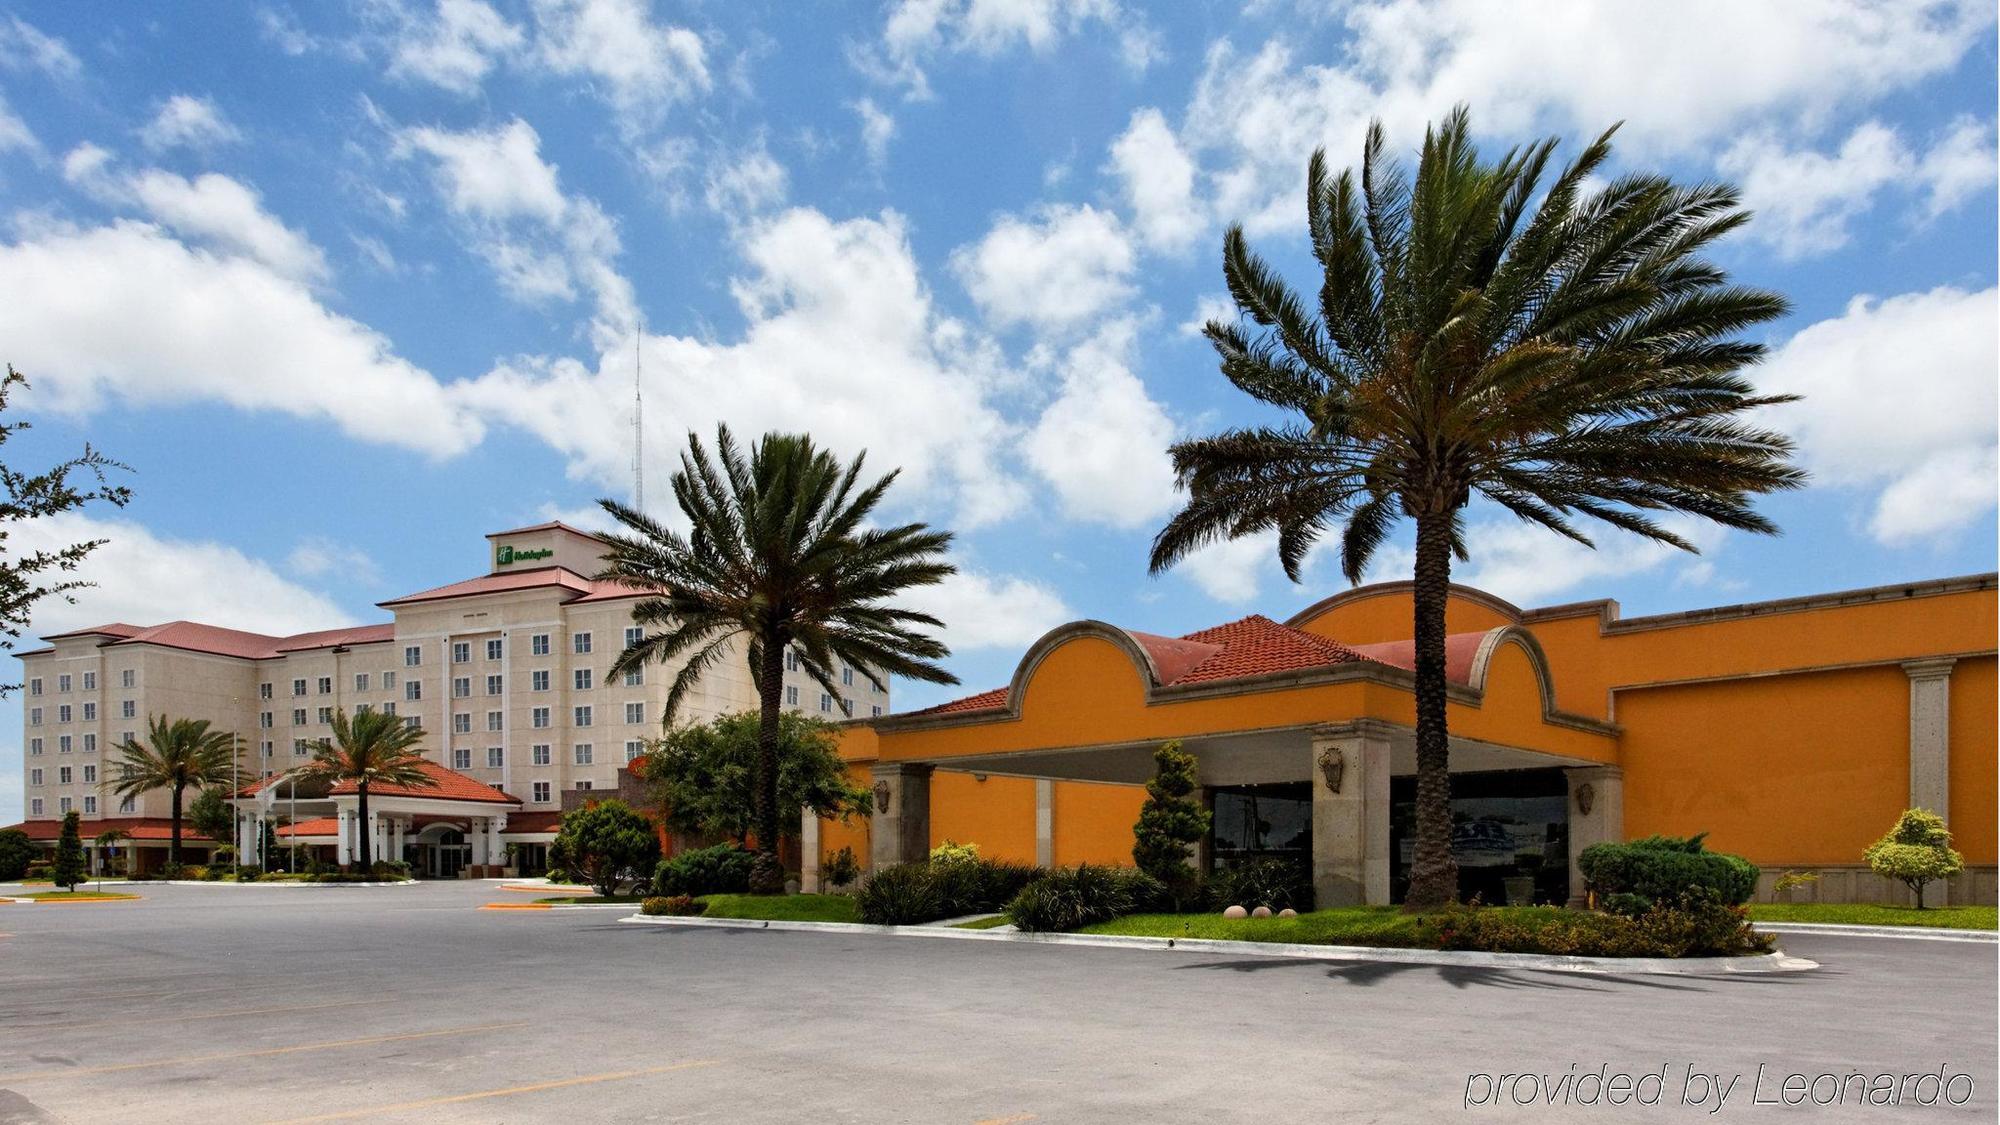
[224, 1004]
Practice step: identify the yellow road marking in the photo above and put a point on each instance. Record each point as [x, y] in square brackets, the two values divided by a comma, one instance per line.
[34, 1075]
[517, 906]
[505, 1092]
[1014, 1119]
[206, 1015]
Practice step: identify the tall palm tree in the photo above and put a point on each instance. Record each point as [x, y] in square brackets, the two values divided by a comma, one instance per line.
[778, 554]
[1562, 354]
[372, 748]
[177, 753]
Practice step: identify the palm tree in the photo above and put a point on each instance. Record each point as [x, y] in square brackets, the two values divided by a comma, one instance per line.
[178, 753]
[1562, 355]
[778, 554]
[373, 748]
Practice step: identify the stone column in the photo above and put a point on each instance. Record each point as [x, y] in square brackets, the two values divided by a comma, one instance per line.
[1596, 816]
[343, 852]
[396, 829]
[1930, 734]
[1349, 771]
[901, 831]
[477, 838]
[494, 854]
[254, 854]
[809, 852]
[1045, 822]
[242, 834]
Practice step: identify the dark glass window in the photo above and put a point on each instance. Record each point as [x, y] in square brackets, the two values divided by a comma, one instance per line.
[1506, 825]
[1254, 821]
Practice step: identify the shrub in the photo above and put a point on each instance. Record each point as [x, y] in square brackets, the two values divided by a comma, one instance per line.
[17, 852]
[172, 870]
[67, 870]
[840, 869]
[608, 842]
[903, 895]
[1069, 898]
[248, 873]
[39, 870]
[1274, 882]
[1626, 905]
[389, 869]
[1915, 852]
[1666, 868]
[1171, 819]
[682, 906]
[190, 871]
[721, 870]
[1697, 925]
[951, 852]
[222, 853]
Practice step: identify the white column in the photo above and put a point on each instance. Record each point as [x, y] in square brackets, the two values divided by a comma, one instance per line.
[1930, 734]
[1349, 769]
[397, 828]
[343, 853]
[477, 838]
[242, 834]
[494, 824]
[1596, 816]
[254, 853]
[1045, 822]
[809, 852]
[374, 830]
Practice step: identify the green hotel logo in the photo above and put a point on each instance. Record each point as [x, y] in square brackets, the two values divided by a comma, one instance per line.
[503, 555]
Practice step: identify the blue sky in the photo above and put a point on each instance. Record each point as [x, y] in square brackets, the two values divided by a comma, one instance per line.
[350, 286]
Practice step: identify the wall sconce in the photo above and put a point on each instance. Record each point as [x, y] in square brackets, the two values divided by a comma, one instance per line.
[882, 797]
[979, 777]
[1332, 765]
[1586, 796]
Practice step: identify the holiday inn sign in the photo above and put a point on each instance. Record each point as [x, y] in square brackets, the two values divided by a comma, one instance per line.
[504, 555]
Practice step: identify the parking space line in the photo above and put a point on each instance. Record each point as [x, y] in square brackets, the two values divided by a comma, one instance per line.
[206, 1015]
[1011, 1119]
[36, 1075]
[504, 1092]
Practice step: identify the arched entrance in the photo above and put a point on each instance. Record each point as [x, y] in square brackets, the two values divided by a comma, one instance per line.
[441, 852]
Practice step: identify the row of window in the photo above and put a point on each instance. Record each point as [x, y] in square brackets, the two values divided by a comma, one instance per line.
[541, 754]
[65, 745]
[127, 708]
[126, 678]
[65, 775]
[793, 663]
[36, 805]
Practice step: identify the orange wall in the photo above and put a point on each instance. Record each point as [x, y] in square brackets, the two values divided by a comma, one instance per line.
[1391, 617]
[998, 814]
[1975, 758]
[1094, 822]
[834, 835]
[1795, 770]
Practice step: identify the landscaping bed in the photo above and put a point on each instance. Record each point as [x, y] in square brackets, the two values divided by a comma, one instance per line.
[75, 896]
[1873, 914]
[781, 908]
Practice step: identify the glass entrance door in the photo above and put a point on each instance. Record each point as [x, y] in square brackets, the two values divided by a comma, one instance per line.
[449, 855]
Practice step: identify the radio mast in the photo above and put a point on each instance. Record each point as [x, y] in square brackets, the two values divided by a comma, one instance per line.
[638, 421]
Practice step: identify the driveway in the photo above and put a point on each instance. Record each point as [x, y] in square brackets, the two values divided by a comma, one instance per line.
[407, 1003]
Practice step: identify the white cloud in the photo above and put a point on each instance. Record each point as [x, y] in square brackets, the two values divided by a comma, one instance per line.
[317, 556]
[1958, 166]
[1233, 571]
[1157, 178]
[1900, 394]
[23, 47]
[918, 30]
[1102, 444]
[750, 183]
[211, 209]
[1063, 268]
[983, 610]
[127, 312]
[1528, 564]
[842, 341]
[458, 48]
[1207, 307]
[15, 136]
[144, 578]
[877, 130]
[492, 174]
[642, 67]
[185, 121]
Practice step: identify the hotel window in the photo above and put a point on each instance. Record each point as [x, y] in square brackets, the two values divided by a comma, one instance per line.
[635, 678]
[326, 685]
[461, 724]
[792, 696]
[541, 792]
[263, 690]
[63, 805]
[34, 746]
[269, 748]
[461, 687]
[493, 650]
[388, 680]
[363, 708]
[847, 677]
[126, 738]
[586, 783]
[825, 702]
[360, 681]
[582, 681]
[90, 744]
[582, 754]
[539, 754]
[90, 775]
[876, 711]
[791, 660]
[127, 709]
[63, 744]
[413, 656]
[129, 678]
[461, 651]
[635, 712]
[496, 720]
[461, 759]
[538, 680]
[389, 708]
[89, 805]
[326, 714]
[65, 775]
[34, 777]
[298, 687]
[129, 805]
[539, 644]
[633, 635]
[847, 707]
[494, 684]
[35, 806]
[90, 712]
[634, 748]
[414, 690]
[298, 716]
[63, 713]
[34, 716]
[410, 722]
[90, 681]
[35, 686]
[539, 717]
[581, 717]
[62, 682]
[580, 643]
[495, 757]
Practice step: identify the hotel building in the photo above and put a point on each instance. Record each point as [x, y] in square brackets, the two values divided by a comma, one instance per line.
[508, 673]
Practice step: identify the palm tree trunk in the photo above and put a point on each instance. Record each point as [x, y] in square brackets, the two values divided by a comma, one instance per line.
[361, 830]
[767, 876]
[174, 841]
[1433, 871]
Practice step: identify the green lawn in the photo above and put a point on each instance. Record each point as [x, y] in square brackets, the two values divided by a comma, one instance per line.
[992, 923]
[593, 900]
[783, 908]
[1865, 914]
[1354, 925]
[77, 896]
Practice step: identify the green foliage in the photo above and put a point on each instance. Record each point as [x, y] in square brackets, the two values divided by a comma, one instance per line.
[1695, 925]
[17, 851]
[1625, 904]
[722, 869]
[703, 777]
[1665, 868]
[1070, 898]
[389, 870]
[906, 894]
[1274, 882]
[946, 886]
[840, 869]
[1170, 821]
[178, 754]
[684, 906]
[68, 868]
[39, 870]
[249, 873]
[1917, 851]
[210, 815]
[26, 579]
[609, 843]
[372, 748]
[951, 852]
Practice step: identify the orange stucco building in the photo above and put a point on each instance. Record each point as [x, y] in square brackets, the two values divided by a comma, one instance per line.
[1791, 731]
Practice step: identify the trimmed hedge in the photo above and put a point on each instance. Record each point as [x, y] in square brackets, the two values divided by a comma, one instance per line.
[1665, 869]
[1695, 925]
[1070, 898]
[910, 894]
[1273, 882]
[721, 870]
[681, 906]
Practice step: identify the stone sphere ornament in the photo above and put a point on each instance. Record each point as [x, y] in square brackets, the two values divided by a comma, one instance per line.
[1288, 912]
[1236, 912]
[1261, 912]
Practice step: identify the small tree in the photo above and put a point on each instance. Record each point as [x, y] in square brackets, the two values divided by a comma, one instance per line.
[211, 816]
[702, 778]
[17, 851]
[1169, 821]
[608, 843]
[1915, 852]
[69, 869]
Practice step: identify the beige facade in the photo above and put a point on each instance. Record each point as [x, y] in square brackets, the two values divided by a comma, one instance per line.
[508, 673]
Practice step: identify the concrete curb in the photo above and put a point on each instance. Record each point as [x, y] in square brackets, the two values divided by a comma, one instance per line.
[1637, 966]
[67, 901]
[1913, 933]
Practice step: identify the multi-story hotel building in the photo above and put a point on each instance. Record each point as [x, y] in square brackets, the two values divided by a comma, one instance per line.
[508, 673]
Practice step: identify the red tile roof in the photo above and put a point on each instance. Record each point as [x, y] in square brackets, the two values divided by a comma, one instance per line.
[552, 525]
[137, 827]
[193, 636]
[1459, 651]
[115, 629]
[451, 786]
[546, 820]
[984, 701]
[340, 638]
[318, 826]
[500, 584]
